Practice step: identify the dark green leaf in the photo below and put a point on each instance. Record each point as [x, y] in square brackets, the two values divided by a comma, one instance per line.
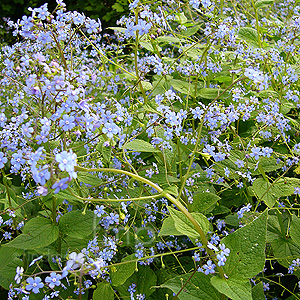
[38, 232]
[75, 224]
[203, 201]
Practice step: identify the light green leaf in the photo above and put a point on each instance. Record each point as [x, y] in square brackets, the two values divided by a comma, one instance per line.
[263, 3]
[203, 201]
[181, 18]
[140, 146]
[168, 39]
[249, 35]
[247, 248]
[168, 227]
[103, 291]
[233, 288]
[75, 224]
[38, 232]
[124, 271]
[88, 178]
[209, 93]
[264, 191]
[198, 287]
[184, 225]
[191, 30]
[295, 230]
[146, 84]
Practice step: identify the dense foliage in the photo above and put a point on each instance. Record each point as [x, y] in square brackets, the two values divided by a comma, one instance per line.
[161, 162]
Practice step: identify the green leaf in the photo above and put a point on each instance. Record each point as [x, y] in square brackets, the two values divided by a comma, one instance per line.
[144, 279]
[181, 18]
[270, 192]
[66, 195]
[88, 178]
[168, 227]
[209, 93]
[191, 30]
[233, 288]
[140, 146]
[75, 224]
[146, 84]
[203, 201]
[124, 271]
[184, 225]
[264, 191]
[295, 230]
[8, 263]
[103, 291]
[263, 3]
[258, 292]
[38, 232]
[198, 287]
[247, 248]
[249, 35]
[285, 250]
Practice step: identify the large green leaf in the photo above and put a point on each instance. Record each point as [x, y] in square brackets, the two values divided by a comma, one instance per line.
[234, 288]
[78, 225]
[103, 291]
[185, 226]
[198, 287]
[122, 272]
[38, 232]
[9, 261]
[247, 248]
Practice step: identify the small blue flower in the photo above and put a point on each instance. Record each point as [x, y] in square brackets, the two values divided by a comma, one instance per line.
[53, 280]
[34, 284]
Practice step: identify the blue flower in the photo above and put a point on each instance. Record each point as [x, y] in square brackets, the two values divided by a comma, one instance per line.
[34, 284]
[53, 280]
[67, 122]
[61, 185]
[110, 129]
[3, 160]
[67, 161]
[209, 268]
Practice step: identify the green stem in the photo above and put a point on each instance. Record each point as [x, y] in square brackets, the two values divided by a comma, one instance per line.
[257, 24]
[170, 198]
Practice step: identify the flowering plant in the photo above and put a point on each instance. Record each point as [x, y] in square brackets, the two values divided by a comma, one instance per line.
[157, 162]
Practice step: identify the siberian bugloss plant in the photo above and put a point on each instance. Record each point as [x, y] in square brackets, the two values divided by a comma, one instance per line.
[157, 162]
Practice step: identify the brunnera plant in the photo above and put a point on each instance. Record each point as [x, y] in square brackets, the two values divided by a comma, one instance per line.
[157, 162]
